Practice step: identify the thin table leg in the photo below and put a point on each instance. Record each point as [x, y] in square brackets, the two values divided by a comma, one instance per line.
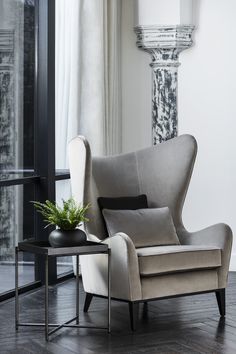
[77, 289]
[109, 290]
[16, 290]
[46, 298]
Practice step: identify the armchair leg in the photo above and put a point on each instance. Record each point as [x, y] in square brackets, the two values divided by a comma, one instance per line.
[87, 301]
[133, 313]
[220, 296]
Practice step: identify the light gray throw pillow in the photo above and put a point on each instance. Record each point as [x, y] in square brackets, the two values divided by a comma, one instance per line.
[146, 227]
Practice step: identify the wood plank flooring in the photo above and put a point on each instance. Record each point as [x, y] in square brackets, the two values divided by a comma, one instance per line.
[187, 325]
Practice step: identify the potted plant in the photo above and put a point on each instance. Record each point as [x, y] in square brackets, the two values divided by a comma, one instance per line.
[67, 218]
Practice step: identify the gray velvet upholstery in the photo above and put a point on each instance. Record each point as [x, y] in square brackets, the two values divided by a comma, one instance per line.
[163, 173]
[178, 284]
[172, 259]
[145, 227]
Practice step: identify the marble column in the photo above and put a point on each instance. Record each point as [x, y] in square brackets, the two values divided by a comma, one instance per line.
[164, 43]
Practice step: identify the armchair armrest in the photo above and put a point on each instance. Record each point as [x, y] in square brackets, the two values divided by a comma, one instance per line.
[218, 235]
[125, 278]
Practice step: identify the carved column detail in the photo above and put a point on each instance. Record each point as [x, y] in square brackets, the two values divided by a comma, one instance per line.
[164, 43]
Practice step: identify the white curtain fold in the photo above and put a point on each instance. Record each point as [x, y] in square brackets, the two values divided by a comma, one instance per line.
[112, 44]
[88, 75]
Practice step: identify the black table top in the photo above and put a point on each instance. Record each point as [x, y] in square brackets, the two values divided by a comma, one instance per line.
[44, 248]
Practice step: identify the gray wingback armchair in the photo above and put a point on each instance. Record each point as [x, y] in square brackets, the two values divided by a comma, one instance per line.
[199, 264]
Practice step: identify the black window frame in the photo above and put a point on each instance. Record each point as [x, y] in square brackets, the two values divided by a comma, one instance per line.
[44, 175]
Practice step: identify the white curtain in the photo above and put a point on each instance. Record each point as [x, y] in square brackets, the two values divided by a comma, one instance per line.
[88, 75]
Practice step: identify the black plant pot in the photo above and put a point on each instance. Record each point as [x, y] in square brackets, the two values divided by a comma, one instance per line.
[67, 238]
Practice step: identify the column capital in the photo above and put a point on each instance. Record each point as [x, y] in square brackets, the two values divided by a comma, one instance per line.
[164, 43]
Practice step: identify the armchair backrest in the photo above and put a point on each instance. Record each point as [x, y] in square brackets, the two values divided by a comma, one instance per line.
[162, 172]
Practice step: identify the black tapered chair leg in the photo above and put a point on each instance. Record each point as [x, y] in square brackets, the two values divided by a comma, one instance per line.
[220, 296]
[87, 301]
[133, 313]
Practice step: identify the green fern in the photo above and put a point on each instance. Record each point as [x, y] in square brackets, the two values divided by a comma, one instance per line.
[67, 217]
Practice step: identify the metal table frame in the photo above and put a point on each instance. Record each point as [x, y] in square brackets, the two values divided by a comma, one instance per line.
[37, 247]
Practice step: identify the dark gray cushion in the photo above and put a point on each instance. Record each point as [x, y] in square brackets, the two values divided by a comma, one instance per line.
[123, 203]
[146, 227]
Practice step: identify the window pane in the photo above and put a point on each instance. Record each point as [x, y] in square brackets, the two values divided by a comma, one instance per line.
[16, 224]
[17, 71]
[63, 191]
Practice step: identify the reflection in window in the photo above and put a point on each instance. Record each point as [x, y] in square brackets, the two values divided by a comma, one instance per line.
[17, 70]
[17, 66]
[17, 224]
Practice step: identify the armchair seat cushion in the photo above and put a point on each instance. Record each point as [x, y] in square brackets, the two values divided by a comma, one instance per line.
[177, 258]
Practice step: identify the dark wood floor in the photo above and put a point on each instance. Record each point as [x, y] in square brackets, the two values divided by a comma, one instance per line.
[184, 325]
